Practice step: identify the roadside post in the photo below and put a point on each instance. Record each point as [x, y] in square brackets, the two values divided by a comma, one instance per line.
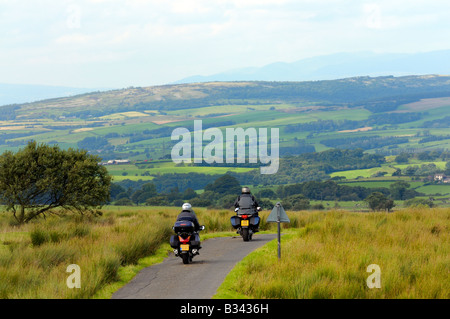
[278, 215]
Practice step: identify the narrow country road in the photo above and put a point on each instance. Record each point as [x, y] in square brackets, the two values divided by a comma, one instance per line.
[171, 279]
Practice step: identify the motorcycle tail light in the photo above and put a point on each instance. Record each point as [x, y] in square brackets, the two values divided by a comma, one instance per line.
[184, 240]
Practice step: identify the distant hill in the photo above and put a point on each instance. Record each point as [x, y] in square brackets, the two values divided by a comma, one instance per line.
[386, 115]
[338, 66]
[375, 93]
[25, 93]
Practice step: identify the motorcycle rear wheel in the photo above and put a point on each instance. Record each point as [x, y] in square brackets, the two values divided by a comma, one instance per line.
[245, 234]
[186, 258]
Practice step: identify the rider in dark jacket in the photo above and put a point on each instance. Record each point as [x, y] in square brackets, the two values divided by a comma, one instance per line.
[188, 214]
[246, 200]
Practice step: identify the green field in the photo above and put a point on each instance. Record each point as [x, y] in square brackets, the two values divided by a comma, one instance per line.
[434, 189]
[389, 168]
[57, 120]
[135, 172]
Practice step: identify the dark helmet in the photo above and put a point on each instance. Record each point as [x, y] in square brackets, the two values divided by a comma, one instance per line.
[245, 190]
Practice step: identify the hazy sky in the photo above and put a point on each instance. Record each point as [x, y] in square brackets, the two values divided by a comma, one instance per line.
[121, 43]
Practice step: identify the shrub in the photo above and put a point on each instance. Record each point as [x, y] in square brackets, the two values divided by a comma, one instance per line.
[318, 206]
[123, 202]
[417, 202]
[39, 237]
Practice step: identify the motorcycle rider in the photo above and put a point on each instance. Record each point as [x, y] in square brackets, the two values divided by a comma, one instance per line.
[188, 214]
[247, 201]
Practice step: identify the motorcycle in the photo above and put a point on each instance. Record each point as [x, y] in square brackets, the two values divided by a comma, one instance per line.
[186, 242]
[246, 222]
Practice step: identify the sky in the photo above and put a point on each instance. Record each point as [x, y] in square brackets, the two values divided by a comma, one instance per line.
[122, 43]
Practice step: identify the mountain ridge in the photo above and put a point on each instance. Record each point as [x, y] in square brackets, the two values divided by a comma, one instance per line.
[337, 66]
[372, 91]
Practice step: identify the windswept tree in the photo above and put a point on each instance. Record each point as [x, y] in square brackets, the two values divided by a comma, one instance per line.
[40, 178]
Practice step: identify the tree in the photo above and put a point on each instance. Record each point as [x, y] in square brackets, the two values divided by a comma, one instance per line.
[296, 202]
[410, 170]
[147, 191]
[227, 201]
[40, 178]
[160, 200]
[93, 143]
[378, 201]
[225, 185]
[189, 193]
[417, 202]
[447, 168]
[402, 158]
[266, 204]
[200, 202]
[123, 202]
[398, 189]
[116, 190]
[267, 193]
[424, 156]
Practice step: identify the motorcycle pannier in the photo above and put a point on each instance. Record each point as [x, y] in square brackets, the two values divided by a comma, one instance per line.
[183, 226]
[235, 221]
[254, 220]
[174, 241]
[195, 240]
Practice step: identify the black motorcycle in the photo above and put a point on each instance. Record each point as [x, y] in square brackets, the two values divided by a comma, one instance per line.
[186, 242]
[246, 222]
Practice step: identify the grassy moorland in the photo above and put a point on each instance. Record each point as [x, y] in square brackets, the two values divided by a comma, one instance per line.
[328, 256]
[324, 254]
[34, 258]
[109, 250]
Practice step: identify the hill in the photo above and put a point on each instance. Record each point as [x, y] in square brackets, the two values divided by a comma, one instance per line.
[381, 116]
[343, 92]
[137, 123]
[336, 66]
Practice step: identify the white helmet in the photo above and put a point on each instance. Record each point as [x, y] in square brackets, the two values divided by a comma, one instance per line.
[187, 206]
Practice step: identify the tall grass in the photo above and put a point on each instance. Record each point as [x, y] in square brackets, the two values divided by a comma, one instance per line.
[34, 257]
[324, 254]
[328, 258]
[34, 264]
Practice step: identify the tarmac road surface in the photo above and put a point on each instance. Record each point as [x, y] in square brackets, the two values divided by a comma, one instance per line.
[171, 279]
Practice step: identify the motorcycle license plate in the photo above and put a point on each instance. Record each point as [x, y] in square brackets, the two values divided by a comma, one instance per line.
[184, 247]
[244, 223]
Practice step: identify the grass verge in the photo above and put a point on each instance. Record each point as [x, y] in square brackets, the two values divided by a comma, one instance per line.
[328, 258]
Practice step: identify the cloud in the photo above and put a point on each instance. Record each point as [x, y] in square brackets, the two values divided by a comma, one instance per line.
[373, 15]
[74, 39]
[177, 38]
